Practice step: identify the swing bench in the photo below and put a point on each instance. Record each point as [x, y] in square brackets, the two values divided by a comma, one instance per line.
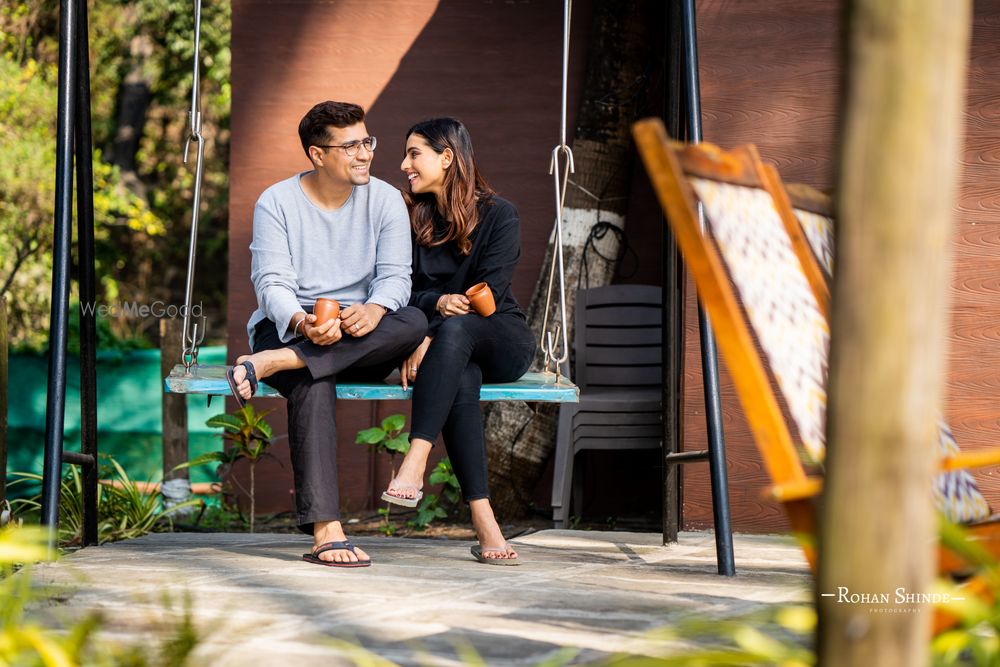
[211, 381]
[549, 385]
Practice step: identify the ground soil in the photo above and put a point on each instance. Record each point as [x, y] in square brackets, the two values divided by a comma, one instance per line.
[371, 523]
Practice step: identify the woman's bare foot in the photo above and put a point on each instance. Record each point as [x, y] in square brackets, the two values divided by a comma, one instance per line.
[409, 478]
[488, 531]
[333, 531]
[265, 363]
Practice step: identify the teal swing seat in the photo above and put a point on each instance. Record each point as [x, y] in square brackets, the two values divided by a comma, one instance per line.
[211, 381]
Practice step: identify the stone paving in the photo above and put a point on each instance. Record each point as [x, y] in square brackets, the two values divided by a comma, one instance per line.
[424, 601]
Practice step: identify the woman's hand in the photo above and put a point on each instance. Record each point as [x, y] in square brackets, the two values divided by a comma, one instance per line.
[327, 333]
[450, 305]
[408, 371]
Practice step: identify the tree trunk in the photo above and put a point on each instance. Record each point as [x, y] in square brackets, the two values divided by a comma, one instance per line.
[520, 437]
[134, 99]
[3, 405]
[896, 195]
[253, 494]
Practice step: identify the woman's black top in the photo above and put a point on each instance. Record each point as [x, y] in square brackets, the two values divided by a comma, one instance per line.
[442, 269]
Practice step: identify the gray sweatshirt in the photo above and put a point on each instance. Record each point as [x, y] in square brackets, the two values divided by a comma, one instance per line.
[359, 253]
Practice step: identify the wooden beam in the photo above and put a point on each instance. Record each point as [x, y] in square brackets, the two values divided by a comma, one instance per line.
[175, 422]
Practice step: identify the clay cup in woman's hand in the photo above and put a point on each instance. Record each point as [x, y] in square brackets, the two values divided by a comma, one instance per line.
[481, 299]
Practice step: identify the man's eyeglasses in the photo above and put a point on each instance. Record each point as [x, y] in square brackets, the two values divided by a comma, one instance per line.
[351, 148]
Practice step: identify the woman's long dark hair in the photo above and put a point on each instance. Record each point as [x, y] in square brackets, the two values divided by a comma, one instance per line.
[464, 186]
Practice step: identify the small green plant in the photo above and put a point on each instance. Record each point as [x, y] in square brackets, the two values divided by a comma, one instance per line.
[123, 510]
[430, 507]
[428, 510]
[444, 474]
[388, 528]
[387, 438]
[249, 436]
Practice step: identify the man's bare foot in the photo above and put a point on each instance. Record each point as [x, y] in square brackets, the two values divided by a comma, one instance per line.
[265, 363]
[333, 531]
[488, 531]
[409, 478]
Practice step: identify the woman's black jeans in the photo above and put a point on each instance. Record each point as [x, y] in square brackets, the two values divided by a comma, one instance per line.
[466, 351]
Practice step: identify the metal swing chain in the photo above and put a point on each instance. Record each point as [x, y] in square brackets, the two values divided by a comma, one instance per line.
[550, 341]
[191, 336]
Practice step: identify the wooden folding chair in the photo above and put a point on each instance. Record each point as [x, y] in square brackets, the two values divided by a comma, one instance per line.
[756, 271]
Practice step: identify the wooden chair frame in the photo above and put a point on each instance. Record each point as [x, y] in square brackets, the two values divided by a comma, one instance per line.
[668, 164]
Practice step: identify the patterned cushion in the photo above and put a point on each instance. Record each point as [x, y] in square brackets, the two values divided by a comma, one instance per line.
[781, 306]
[789, 325]
[819, 232]
[956, 493]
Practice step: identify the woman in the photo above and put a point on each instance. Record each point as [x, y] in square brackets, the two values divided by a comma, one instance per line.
[463, 234]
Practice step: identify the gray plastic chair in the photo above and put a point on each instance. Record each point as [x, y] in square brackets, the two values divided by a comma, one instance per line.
[618, 368]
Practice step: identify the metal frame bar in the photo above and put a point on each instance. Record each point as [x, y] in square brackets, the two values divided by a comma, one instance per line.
[673, 297]
[709, 355]
[683, 117]
[72, 126]
[87, 278]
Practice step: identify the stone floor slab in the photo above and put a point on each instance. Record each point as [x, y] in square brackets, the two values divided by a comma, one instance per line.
[424, 601]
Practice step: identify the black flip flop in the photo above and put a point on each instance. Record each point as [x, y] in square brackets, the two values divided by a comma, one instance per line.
[313, 557]
[251, 377]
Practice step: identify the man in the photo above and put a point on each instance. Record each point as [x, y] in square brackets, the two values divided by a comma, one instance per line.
[339, 233]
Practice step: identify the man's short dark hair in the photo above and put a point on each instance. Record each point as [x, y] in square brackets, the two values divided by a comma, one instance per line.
[313, 129]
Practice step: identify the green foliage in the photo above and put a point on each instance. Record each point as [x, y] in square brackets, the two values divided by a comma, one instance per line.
[427, 511]
[107, 339]
[387, 437]
[123, 511]
[249, 437]
[444, 475]
[430, 507]
[142, 200]
[975, 640]
[247, 432]
[25, 642]
[388, 528]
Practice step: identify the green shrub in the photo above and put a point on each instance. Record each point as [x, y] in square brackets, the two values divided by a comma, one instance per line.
[123, 511]
[249, 437]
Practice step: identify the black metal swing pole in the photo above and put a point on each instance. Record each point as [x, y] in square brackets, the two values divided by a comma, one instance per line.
[709, 356]
[59, 313]
[672, 343]
[87, 278]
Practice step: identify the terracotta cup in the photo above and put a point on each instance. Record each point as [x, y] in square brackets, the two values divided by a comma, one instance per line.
[326, 310]
[481, 299]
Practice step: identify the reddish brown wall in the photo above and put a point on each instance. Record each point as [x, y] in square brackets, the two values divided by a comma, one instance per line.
[769, 74]
[495, 65]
